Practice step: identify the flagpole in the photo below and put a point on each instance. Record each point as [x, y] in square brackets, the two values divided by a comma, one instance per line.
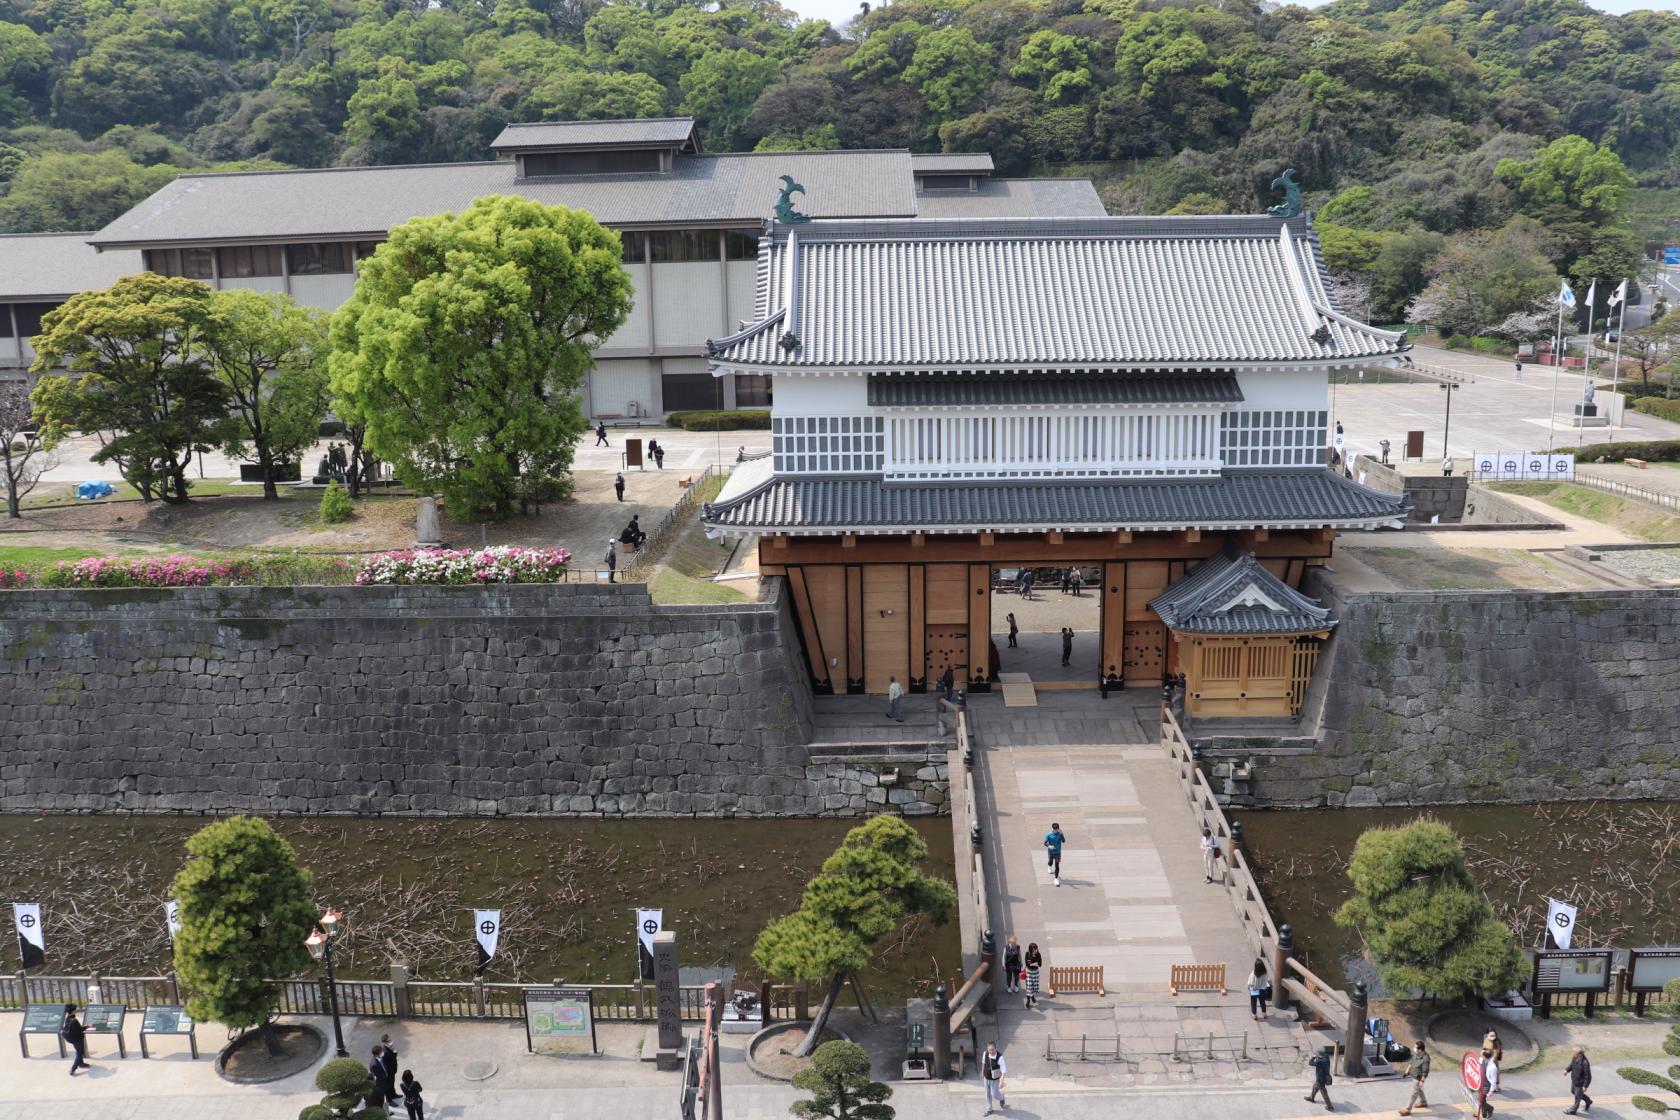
[1557, 364]
[1616, 372]
[1586, 361]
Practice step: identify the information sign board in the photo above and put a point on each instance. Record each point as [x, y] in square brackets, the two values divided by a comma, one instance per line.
[1650, 969]
[106, 1018]
[1671, 254]
[168, 1019]
[1572, 970]
[559, 1020]
[41, 1018]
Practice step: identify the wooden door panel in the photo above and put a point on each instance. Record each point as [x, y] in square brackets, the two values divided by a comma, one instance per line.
[886, 616]
[1146, 649]
[947, 646]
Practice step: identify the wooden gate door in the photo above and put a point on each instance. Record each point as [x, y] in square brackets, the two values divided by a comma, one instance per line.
[947, 646]
[1146, 652]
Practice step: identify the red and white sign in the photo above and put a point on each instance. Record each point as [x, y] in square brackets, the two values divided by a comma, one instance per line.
[1472, 1072]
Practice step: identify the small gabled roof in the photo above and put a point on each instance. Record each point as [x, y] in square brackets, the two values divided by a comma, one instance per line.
[1182, 292]
[1234, 593]
[1013, 198]
[951, 163]
[1007, 388]
[43, 267]
[640, 132]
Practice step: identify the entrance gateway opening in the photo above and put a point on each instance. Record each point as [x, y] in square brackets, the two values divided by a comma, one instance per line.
[1059, 616]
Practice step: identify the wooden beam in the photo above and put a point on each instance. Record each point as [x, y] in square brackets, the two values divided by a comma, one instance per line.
[918, 540]
[1261, 535]
[1191, 536]
[1007, 548]
[1054, 537]
[1122, 536]
[849, 541]
[987, 539]
[780, 540]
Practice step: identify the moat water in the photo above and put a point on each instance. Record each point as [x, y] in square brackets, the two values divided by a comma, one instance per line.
[1617, 861]
[407, 886]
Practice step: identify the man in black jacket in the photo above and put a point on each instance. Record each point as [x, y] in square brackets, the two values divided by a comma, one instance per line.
[389, 1059]
[1320, 1063]
[1580, 1076]
[76, 1035]
[381, 1091]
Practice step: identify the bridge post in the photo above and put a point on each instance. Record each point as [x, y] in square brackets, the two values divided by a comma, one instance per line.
[941, 1034]
[1280, 966]
[989, 971]
[1353, 1056]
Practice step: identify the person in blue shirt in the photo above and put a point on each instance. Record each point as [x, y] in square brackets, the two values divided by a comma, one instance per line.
[1053, 841]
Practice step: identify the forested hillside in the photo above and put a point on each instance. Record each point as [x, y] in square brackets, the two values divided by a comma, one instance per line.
[1397, 116]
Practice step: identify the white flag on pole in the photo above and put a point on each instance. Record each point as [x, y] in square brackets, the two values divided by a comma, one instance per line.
[1560, 919]
[32, 939]
[487, 927]
[1619, 294]
[172, 917]
[648, 925]
[1567, 295]
[1592, 295]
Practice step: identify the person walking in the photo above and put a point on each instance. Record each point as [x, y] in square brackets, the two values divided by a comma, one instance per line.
[1012, 965]
[659, 456]
[618, 486]
[389, 1058]
[73, 1032]
[1067, 644]
[1446, 466]
[1493, 1056]
[611, 561]
[1013, 630]
[1210, 852]
[381, 1091]
[992, 1070]
[1067, 580]
[1053, 841]
[1078, 583]
[1322, 1079]
[948, 683]
[601, 434]
[1259, 989]
[1519, 371]
[1580, 1077]
[895, 698]
[410, 1089]
[1490, 1074]
[1031, 962]
[1026, 584]
[1418, 1071]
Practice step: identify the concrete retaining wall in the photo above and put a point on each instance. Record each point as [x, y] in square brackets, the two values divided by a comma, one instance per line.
[565, 699]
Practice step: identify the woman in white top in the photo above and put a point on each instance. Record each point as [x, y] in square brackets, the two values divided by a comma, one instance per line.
[1259, 989]
[1210, 851]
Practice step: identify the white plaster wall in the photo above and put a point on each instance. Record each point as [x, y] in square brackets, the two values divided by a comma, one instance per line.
[820, 395]
[9, 355]
[1294, 388]
[326, 292]
[687, 304]
[255, 283]
[615, 382]
[743, 286]
[637, 331]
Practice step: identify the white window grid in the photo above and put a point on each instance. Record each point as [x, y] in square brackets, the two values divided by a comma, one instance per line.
[1104, 444]
[1273, 437]
[827, 444]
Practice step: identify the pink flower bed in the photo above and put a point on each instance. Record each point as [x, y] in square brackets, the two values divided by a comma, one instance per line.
[162, 571]
[10, 580]
[501, 564]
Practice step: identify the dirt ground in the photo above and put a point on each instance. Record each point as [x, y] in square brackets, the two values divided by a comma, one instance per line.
[237, 522]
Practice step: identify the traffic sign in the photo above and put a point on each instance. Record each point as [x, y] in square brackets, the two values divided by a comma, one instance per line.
[1472, 1072]
[1671, 254]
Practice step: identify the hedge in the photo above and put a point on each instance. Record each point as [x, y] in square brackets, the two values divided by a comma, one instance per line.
[1658, 406]
[724, 421]
[1653, 451]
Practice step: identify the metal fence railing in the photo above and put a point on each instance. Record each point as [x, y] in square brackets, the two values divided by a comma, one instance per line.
[661, 534]
[1627, 490]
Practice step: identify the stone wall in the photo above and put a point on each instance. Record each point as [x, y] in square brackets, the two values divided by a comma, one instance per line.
[1431, 494]
[565, 699]
[1452, 697]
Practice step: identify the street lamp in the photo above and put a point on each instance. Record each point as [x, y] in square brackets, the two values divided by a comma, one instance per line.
[1446, 429]
[320, 941]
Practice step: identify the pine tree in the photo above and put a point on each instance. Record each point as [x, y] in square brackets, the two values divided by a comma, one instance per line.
[346, 1083]
[840, 1086]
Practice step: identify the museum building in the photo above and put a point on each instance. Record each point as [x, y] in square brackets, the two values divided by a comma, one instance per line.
[961, 403]
[689, 219]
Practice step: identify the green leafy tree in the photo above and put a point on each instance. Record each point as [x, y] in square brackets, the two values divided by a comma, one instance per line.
[1199, 202]
[75, 190]
[465, 343]
[870, 885]
[245, 912]
[1571, 175]
[720, 88]
[1425, 924]
[385, 125]
[134, 372]
[346, 1083]
[1669, 1084]
[271, 356]
[950, 69]
[840, 1086]
[1058, 65]
[25, 453]
[1481, 278]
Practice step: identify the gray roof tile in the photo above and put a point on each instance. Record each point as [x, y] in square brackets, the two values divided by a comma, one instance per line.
[47, 266]
[368, 201]
[1272, 499]
[952, 163]
[1145, 292]
[1232, 593]
[1004, 388]
[640, 132]
[1014, 198]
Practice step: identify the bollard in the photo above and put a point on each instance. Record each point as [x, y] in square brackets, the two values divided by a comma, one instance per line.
[974, 837]
[399, 991]
[1353, 1061]
[1236, 834]
[941, 1034]
[1280, 966]
[991, 971]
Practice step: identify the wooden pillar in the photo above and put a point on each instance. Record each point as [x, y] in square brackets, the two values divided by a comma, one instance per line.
[1113, 619]
[854, 628]
[980, 627]
[916, 620]
[808, 629]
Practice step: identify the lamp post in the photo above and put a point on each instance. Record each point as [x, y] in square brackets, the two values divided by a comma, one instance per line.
[320, 941]
[1446, 429]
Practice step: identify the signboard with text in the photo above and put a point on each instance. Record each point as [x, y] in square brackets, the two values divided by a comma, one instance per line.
[166, 1019]
[1671, 254]
[559, 1021]
[1535, 465]
[1471, 1074]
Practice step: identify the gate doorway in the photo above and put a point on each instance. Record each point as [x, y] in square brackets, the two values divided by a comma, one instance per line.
[1044, 601]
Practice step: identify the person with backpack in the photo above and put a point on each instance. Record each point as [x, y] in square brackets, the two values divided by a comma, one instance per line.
[73, 1032]
[410, 1089]
[1580, 1076]
[1053, 841]
[992, 1070]
[1322, 1078]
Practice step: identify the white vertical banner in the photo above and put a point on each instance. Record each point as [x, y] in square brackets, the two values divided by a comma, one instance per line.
[648, 925]
[32, 940]
[487, 928]
[1560, 921]
[1562, 466]
[172, 917]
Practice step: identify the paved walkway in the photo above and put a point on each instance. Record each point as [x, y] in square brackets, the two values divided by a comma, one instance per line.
[1132, 897]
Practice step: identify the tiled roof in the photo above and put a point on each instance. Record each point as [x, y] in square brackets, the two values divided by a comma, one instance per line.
[369, 201]
[46, 266]
[1014, 198]
[1238, 500]
[1232, 593]
[952, 163]
[887, 390]
[1186, 292]
[641, 132]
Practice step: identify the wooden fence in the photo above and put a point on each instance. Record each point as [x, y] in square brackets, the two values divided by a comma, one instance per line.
[1077, 980]
[1197, 978]
[641, 564]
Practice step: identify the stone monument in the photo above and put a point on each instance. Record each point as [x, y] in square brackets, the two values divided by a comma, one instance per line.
[664, 1043]
[428, 530]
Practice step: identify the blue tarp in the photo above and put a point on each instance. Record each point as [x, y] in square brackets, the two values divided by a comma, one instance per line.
[88, 491]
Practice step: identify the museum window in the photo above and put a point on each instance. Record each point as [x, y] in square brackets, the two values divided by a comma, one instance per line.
[194, 264]
[690, 391]
[827, 444]
[539, 164]
[677, 246]
[29, 318]
[243, 261]
[1273, 437]
[740, 244]
[635, 246]
[752, 390]
[318, 258]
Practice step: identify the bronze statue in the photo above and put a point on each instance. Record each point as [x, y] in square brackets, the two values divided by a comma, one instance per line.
[784, 205]
[1291, 204]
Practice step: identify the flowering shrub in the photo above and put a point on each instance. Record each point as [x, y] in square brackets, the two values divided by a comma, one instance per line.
[9, 580]
[160, 571]
[501, 564]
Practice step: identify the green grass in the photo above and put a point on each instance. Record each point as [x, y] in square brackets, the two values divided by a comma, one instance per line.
[64, 493]
[672, 587]
[1632, 517]
[685, 571]
[31, 558]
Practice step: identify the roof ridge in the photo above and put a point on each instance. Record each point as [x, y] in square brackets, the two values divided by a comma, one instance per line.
[601, 120]
[321, 170]
[54, 233]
